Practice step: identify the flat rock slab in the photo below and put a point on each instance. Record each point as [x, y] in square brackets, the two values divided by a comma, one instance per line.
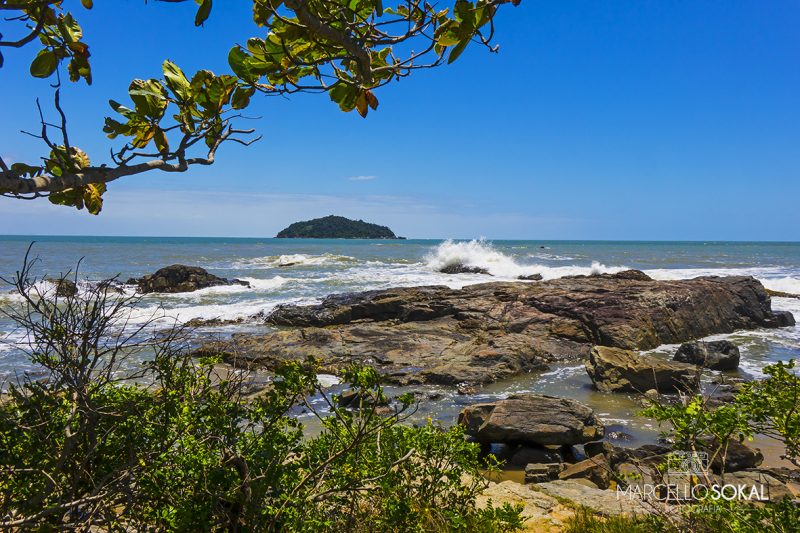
[618, 370]
[491, 331]
[533, 419]
[604, 502]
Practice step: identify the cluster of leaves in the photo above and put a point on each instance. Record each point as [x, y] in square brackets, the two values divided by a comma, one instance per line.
[346, 48]
[182, 448]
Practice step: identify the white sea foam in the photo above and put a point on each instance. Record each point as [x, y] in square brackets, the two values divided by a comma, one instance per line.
[291, 260]
[481, 253]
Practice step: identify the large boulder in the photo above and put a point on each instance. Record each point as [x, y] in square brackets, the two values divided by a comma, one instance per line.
[180, 278]
[533, 419]
[618, 370]
[716, 355]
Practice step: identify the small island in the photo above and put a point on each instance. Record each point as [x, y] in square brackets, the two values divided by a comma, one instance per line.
[335, 227]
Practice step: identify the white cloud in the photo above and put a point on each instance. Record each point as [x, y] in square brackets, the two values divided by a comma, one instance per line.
[362, 178]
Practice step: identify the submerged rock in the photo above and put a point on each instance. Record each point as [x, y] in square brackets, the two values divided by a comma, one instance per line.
[491, 331]
[180, 278]
[617, 370]
[532, 419]
[716, 355]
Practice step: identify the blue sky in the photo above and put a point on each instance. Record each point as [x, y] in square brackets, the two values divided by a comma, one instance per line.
[597, 120]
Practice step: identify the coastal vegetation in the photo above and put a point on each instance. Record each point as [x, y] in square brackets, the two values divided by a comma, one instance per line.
[345, 49]
[177, 445]
[333, 227]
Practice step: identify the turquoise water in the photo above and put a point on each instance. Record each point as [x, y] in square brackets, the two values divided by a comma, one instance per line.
[304, 271]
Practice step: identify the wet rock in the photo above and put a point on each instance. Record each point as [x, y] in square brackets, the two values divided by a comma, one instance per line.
[781, 319]
[716, 355]
[459, 268]
[531, 277]
[542, 472]
[180, 278]
[532, 419]
[65, 288]
[618, 370]
[492, 331]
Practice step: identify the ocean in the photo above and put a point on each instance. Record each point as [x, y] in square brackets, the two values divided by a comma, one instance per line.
[305, 271]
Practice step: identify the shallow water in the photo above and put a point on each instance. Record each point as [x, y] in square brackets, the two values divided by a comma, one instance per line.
[305, 271]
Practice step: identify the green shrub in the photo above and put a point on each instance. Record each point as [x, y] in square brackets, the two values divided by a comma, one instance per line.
[177, 446]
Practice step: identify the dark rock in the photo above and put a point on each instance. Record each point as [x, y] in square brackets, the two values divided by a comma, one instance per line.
[491, 331]
[65, 288]
[524, 455]
[180, 278]
[542, 472]
[637, 275]
[596, 469]
[617, 370]
[532, 419]
[459, 268]
[531, 277]
[781, 319]
[597, 448]
[716, 355]
[355, 399]
[619, 435]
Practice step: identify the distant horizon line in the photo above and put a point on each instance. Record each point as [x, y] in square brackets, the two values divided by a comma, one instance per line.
[720, 241]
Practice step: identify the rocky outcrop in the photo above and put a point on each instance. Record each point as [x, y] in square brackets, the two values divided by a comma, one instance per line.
[491, 331]
[532, 419]
[530, 277]
[715, 355]
[459, 268]
[618, 370]
[65, 288]
[180, 278]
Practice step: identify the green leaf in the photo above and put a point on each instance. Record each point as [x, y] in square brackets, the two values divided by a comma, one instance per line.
[455, 52]
[202, 12]
[241, 97]
[93, 197]
[44, 64]
[176, 80]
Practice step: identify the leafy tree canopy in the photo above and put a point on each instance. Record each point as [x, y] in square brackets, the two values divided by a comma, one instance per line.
[345, 48]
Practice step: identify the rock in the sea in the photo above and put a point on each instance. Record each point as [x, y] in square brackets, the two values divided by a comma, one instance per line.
[637, 275]
[618, 370]
[65, 288]
[716, 355]
[491, 331]
[460, 268]
[180, 278]
[354, 399]
[781, 319]
[531, 277]
[533, 419]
